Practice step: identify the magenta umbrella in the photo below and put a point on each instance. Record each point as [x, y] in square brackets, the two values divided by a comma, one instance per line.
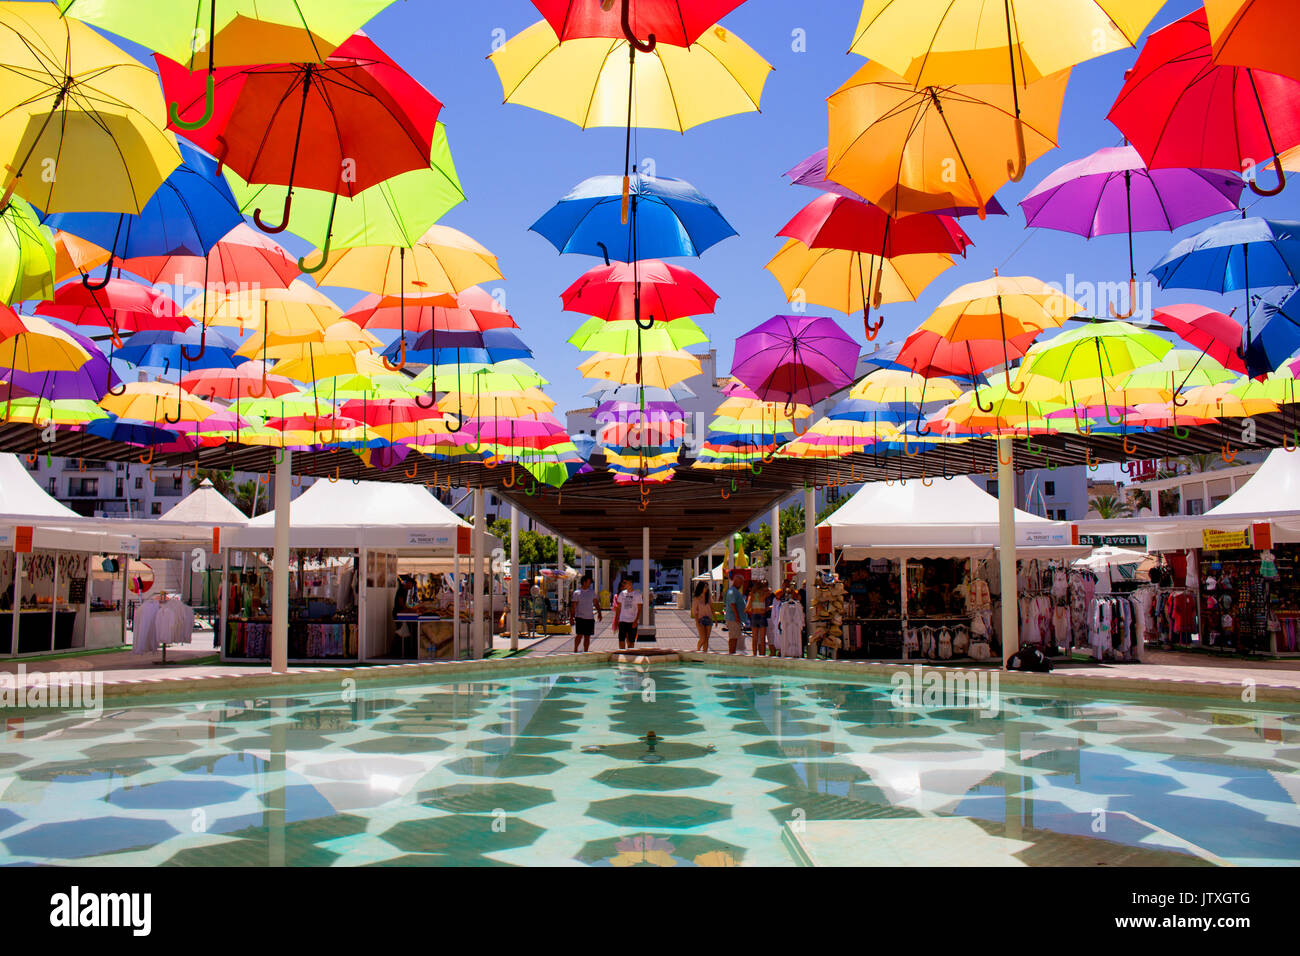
[795, 359]
[1111, 192]
[811, 172]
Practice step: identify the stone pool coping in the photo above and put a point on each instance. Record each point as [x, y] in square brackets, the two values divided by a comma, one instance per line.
[316, 679]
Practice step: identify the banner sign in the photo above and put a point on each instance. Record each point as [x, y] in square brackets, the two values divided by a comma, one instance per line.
[1212, 540]
[1114, 540]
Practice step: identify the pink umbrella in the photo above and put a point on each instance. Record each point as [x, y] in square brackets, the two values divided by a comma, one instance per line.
[1215, 334]
[795, 359]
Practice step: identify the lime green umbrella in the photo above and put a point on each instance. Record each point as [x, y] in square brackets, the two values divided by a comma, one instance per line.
[511, 375]
[284, 406]
[61, 411]
[1099, 350]
[396, 212]
[1180, 369]
[1280, 387]
[27, 257]
[621, 336]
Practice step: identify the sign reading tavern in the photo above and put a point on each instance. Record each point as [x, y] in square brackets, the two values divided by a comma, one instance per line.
[1114, 540]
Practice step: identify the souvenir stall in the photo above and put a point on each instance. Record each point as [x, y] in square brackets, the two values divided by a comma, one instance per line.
[49, 556]
[919, 567]
[1241, 562]
[348, 540]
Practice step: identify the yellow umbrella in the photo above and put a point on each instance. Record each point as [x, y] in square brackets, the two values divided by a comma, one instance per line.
[891, 386]
[32, 344]
[74, 256]
[297, 310]
[910, 149]
[657, 369]
[585, 81]
[82, 124]
[748, 410]
[443, 260]
[1001, 307]
[341, 335]
[965, 41]
[1220, 401]
[845, 280]
[314, 361]
[153, 402]
[519, 404]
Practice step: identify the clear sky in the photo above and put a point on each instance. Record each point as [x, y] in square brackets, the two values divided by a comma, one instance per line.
[515, 163]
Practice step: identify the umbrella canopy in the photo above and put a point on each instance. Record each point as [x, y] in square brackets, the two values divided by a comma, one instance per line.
[120, 305]
[795, 359]
[1276, 335]
[885, 133]
[1179, 107]
[28, 261]
[187, 215]
[1215, 334]
[1096, 351]
[72, 96]
[74, 256]
[656, 369]
[928, 353]
[242, 256]
[113, 428]
[673, 219]
[444, 260]
[666, 292]
[247, 380]
[1237, 254]
[625, 337]
[468, 310]
[154, 401]
[848, 281]
[587, 82]
[834, 222]
[674, 22]
[812, 172]
[168, 350]
[88, 382]
[1254, 33]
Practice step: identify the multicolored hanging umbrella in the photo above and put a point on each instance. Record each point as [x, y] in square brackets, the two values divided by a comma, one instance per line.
[657, 369]
[849, 281]
[1254, 33]
[666, 292]
[88, 382]
[602, 82]
[1217, 335]
[672, 22]
[28, 261]
[1179, 107]
[811, 172]
[1096, 351]
[120, 305]
[247, 380]
[795, 358]
[625, 337]
[93, 112]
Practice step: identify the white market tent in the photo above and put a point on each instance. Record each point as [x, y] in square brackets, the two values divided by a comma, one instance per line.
[206, 507]
[950, 518]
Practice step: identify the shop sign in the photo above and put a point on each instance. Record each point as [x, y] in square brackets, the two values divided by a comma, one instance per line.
[1212, 540]
[1114, 540]
[1032, 536]
[1262, 534]
[23, 539]
[463, 543]
[429, 539]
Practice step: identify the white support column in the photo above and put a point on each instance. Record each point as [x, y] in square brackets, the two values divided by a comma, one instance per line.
[774, 574]
[280, 566]
[478, 599]
[1205, 496]
[515, 579]
[687, 584]
[223, 604]
[1007, 550]
[810, 552]
[645, 576]
[18, 603]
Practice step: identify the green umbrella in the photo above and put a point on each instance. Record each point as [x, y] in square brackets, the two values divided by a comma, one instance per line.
[397, 212]
[511, 375]
[625, 338]
[27, 258]
[1180, 369]
[1100, 350]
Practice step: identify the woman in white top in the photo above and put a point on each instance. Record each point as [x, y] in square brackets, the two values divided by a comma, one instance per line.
[702, 614]
[625, 615]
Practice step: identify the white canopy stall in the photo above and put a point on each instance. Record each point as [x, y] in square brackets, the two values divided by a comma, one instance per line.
[66, 573]
[347, 540]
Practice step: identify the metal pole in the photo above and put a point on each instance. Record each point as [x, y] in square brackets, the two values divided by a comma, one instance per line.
[645, 576]
[1007, 550]
[479, 599]
[810, 552]
[516, 579]
[774, 575]
[280, 566]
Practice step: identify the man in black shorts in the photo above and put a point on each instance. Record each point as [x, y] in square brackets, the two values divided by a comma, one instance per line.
[584, 611]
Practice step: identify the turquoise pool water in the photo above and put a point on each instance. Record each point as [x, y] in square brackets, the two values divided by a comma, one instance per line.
[550, 768]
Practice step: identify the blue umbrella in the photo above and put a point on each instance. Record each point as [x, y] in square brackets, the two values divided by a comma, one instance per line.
[163, 350]
[451, 356]
[1277, 332]
[671, 217]
[130, 431]
[603, 394]
[189, 214]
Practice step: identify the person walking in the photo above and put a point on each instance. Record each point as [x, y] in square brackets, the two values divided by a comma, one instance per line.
[733, 609]
[626, 615]
[756, 607]
[584, 613]
[702, 614]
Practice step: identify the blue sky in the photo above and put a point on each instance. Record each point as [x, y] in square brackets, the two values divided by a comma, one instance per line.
[515, 163]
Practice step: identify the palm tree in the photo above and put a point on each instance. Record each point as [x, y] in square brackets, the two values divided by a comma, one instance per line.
[1108, 506]
[1171, 500]
[1139, 498]
[1195, 464]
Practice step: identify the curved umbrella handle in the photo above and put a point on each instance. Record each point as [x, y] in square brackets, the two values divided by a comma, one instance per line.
[432, 401]
[531, 490]
[1129, 447]
[907, 447]
[334, 478]
[871, 330]
[1088, 460]
[604, 251]
[650, 42]
[460, 423]
[1132, 302]
[272, 230]
[1010, 460]
[413, 470]
[980, 405]
[1114, 421]
[1281, 180]
[491, 461]
[513, 479]
[401, 358]
[209, 101]
[645, 325]
[264, 479]
[1016, 167]
[1179, 399]
[324, 255]
[1292, 441]
[103, 283]
[168, 418]
[262, 393]
[203, 345]
[1228, 453]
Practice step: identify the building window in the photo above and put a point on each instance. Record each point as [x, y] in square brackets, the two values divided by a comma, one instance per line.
[1194, 506]
[139, 483]
[1049, 489]
[83, 487]
[156, 508]
[120, 489]
[54, 486]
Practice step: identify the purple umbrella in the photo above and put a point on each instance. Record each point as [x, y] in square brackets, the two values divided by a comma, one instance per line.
[812, 172]
[795, 359]
[89, 382]
[1111, 192]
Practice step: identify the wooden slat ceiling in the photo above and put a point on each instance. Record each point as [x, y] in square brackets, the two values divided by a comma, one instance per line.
[690, 513]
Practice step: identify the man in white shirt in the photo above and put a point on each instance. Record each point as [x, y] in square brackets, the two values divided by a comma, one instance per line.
[584, 612]
[626, 615]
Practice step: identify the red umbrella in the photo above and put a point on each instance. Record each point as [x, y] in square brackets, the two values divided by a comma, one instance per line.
[341, 126]
[1215, 334]
[383, 412]
[243, 257]
[667, 292]
[121, 306]
[472, 310]
[248, 380]
[928, 353]
[675, 22]
[1181, 109]
[837, 222]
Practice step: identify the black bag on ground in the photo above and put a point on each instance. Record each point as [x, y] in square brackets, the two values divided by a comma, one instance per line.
[1029, 659]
